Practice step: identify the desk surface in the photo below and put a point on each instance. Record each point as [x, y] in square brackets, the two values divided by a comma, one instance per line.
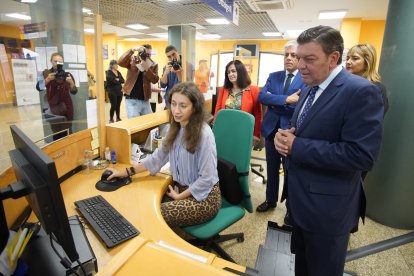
[139, 203]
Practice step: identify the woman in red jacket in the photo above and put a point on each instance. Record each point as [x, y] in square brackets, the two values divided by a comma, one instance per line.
[237, 93]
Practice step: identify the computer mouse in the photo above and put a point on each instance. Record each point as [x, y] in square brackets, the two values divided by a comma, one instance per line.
[105, 175]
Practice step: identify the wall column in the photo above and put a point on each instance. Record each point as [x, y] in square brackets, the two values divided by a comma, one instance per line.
[390, 186]
[183, 38]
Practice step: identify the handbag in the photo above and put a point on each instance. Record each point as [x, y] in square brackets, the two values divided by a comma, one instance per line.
[229, 181]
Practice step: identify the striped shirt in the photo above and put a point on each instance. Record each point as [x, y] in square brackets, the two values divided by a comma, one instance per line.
[197, 170]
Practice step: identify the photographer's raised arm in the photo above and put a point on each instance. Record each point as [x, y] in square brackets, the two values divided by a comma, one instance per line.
[167, 70]
[48, 76]
[152, 73]
[72, 86]
[125, 59]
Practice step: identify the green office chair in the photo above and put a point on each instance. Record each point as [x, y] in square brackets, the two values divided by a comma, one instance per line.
[233, 131]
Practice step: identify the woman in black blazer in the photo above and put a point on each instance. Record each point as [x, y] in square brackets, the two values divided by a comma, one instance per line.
[114, 81]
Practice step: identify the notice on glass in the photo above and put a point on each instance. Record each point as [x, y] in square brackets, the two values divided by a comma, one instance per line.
[75, 74]
[83, 76]
[70, 53]
[81, 54]
[41, 59]
[49, 52]
[25, 79]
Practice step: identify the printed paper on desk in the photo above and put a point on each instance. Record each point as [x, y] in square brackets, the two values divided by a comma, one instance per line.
[95, 144]
[94, 133]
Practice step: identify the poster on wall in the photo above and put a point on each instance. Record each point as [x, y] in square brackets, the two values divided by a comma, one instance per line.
[25, 79]
[105, 51]
[49, 51]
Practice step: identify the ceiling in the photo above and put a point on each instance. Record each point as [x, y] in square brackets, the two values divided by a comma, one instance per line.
[255, 17]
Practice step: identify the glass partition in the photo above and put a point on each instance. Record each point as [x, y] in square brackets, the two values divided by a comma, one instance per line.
[268, 63]
[47, 101]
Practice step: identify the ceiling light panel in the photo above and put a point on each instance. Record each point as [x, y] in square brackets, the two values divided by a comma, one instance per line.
[157, 13]
[338, 14]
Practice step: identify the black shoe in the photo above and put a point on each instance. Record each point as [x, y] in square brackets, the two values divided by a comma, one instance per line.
[286, 220]
[265, 206]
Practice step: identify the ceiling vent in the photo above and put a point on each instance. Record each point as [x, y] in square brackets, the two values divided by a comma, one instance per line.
[266, 5]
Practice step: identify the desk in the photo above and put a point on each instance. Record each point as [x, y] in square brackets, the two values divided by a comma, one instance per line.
[139, 203]
[120, 135]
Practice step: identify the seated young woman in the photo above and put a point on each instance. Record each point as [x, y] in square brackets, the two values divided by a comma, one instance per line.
[190, 147]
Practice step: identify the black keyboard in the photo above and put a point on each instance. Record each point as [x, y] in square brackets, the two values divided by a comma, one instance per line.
[107, 222]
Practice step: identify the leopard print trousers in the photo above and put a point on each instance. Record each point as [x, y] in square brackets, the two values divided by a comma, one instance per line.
[189, 211]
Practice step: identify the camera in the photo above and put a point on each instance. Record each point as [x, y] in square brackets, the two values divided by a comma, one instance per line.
[60, 73]
[176, 65]
[144, 55]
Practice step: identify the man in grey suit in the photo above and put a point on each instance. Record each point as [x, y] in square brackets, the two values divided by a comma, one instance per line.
[336, 134]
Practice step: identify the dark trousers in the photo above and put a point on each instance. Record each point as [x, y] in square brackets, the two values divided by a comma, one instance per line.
[318, 254]
[273, 160]
[115, 100]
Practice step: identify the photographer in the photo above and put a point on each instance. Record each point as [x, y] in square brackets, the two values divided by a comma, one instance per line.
[59, 85]
[172, 72]
[142, 71]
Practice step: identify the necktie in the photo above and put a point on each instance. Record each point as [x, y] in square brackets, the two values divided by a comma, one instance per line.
[307, 107]
[287, 83]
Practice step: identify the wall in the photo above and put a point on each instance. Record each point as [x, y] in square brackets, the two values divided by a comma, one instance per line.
[372, 32]
[356, 31]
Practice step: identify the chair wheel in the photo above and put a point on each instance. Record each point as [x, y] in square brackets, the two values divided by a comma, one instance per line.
[241, 239]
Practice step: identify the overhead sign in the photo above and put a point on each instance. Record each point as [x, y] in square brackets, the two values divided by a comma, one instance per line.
[227, 8]
[33, 30]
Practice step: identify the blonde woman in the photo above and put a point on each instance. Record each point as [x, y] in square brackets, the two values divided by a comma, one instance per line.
[361, 60]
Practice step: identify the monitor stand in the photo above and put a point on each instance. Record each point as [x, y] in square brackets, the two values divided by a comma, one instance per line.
[42, 260]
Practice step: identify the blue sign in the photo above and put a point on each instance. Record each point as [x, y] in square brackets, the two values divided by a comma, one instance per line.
[225, 7]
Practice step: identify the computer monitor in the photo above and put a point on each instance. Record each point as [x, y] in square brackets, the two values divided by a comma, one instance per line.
[37, 172]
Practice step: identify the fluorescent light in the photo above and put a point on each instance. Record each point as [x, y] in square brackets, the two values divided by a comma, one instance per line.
[271, 34]
[29, 1]
[18, 16]
[86, 10]
[293, 33]
[332, 14]
[173, 0]
[217, 21]
[137, 26]
[132, 39]
[89, 30]
[211, 36]
[160, 35]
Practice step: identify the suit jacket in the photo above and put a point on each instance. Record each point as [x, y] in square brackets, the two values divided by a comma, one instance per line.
[277, 109]
[339, 138]
[250, 104]
[150, 76]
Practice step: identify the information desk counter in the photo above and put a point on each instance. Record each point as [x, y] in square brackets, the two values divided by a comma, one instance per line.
[157, 249]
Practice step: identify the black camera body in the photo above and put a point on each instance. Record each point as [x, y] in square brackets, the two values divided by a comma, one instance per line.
[60, 73]
[176, 65]
[144, 55]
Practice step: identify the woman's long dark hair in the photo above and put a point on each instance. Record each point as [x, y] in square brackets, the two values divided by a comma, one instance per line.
[193, 129]
[243, 79]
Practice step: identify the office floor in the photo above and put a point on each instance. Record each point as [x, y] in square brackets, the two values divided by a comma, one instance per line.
[397, 261]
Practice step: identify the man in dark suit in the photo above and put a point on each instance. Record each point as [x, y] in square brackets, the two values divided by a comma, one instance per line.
[336, 134]
[280, 95]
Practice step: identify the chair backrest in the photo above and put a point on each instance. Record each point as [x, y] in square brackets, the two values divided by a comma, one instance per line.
[233, 131]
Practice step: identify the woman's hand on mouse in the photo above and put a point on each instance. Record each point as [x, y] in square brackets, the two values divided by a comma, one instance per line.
[116, 173]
